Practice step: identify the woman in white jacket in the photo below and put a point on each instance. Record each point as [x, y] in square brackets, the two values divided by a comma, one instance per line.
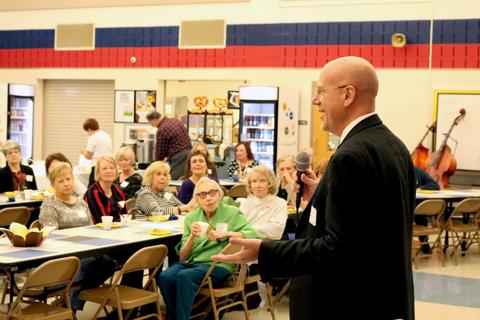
[266, 212]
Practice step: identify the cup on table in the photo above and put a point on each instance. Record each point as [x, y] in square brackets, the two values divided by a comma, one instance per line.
[28, 193]
[222, 226]
[203, 227]
[126, 218]
[107, 222]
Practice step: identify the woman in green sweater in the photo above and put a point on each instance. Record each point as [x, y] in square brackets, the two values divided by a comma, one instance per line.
[179, 283]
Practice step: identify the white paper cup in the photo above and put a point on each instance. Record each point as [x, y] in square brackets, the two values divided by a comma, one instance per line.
[107, 222]
[204, 227]
[126, 218]
[28, 194]
[222, 226]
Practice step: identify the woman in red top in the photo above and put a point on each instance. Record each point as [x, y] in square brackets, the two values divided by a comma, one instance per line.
[103, 197]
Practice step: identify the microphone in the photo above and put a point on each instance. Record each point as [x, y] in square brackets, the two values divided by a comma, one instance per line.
[302, 162]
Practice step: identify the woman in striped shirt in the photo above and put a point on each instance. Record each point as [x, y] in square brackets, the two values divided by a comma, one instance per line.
[152, 199]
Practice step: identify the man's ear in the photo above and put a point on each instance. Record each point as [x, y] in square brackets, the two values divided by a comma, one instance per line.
[350, 94]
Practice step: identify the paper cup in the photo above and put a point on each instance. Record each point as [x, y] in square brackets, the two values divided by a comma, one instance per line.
[204, 227]
[126, 218]
[107, 222]
[222, 226]
[28, 194]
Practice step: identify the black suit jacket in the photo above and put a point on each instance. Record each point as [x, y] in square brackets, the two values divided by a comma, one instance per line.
[6, 182]
[364, 208]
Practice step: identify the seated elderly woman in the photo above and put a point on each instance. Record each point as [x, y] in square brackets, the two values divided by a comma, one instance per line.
[128, 180]
[195, 169]
[202, 147]
[152, 199]
[286, 175]
[15, 176]
[103, 197]
[179, 283]
[264, 210]
[64, 211]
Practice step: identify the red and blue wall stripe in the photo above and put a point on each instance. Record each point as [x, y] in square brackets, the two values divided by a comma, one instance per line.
[456, 44]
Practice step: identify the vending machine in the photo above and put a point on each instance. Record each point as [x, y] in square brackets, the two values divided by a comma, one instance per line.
[20, 117]
[269, 122]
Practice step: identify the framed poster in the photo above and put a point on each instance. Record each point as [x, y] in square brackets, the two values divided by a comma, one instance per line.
[124, 106]
[463, 139]
[145, 102]
[233, 100]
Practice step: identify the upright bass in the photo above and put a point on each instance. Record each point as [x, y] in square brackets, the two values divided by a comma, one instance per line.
[441, 164]
[420, 154]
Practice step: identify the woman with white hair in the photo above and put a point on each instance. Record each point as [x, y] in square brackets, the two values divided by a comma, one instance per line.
[179, 283]
[286, 175]
[15, 176]
[153, 199]
[128, 180]
[264, 210]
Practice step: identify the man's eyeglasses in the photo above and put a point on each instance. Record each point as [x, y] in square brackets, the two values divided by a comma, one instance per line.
[211, 193]
[321, 91]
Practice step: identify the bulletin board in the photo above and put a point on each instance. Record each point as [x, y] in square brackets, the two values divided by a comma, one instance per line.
[465, 137]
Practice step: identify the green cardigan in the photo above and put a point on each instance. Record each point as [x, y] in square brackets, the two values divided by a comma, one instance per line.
[202, 248]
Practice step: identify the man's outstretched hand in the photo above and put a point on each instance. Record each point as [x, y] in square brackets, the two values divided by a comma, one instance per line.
[248, 253]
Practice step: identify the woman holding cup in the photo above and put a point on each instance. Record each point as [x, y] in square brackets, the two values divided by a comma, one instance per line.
[200, 240]
[103, 197]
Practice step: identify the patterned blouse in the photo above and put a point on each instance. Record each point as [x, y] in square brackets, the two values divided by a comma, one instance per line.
[234, 166]
[62, 215]
[153, 203]
[130, 186]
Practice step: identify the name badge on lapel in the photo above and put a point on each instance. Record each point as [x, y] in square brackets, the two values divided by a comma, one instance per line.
[29, 178]
[313, 216]
[124, 184]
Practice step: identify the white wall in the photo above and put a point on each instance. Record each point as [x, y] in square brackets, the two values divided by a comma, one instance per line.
[405, 100]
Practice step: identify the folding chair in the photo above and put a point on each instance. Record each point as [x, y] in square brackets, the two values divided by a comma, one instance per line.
[464, 225]
[58, 273]
[238, 191]
[433, 210]
[131, 204]
[7, 216]
[123, 297]
[268, 292]
[14, 214]
[222, 298]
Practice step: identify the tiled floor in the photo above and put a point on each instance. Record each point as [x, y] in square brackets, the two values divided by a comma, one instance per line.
[441, 293]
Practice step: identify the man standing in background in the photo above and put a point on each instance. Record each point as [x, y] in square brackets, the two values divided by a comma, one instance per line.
[173, 142]
[359, 218]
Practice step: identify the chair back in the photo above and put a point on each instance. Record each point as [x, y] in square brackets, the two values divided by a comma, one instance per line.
[14, 214]
[145, 258]
[55, 272]
[238, 191]
[469, 205]
[431, 207]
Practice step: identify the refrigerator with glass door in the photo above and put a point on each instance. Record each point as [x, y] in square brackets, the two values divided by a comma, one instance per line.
[269, 122]
[20, 117]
